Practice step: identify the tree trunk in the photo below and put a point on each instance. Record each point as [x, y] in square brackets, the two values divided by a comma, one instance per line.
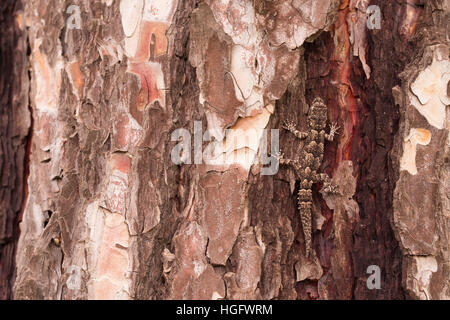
[119, 91]
[15, 123]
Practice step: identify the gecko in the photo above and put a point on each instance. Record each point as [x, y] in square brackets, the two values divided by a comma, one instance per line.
[307, 167]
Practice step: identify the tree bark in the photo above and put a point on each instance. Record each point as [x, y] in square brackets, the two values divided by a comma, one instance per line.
[15, 137]
[108, 214]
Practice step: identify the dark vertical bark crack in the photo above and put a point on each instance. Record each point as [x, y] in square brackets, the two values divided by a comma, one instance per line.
[15, 136]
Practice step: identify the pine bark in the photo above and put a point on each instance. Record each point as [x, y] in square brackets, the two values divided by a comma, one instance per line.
[15, 125]
[88, 114]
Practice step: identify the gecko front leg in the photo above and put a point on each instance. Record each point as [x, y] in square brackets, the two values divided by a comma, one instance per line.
[333, 131]
[290, 126]
[282, 160]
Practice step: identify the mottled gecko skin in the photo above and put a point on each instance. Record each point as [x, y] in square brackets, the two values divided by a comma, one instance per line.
[308, 166]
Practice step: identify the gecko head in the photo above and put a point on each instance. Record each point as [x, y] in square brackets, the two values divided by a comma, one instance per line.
[318, 115]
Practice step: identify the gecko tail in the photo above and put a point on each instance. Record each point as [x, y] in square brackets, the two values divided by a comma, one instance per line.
[305, 207]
